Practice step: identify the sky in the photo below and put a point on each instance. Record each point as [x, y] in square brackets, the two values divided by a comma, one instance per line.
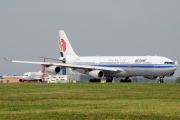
[94, 27]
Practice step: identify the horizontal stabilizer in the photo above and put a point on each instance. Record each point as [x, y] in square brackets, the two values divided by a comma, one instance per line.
[59, 59]
[7, 59]
[48, 58]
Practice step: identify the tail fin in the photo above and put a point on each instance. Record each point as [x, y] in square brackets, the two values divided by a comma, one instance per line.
[43, 67]
[65, 45]
[43, 71]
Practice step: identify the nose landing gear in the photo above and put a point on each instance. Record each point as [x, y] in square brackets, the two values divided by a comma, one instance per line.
[161, 79]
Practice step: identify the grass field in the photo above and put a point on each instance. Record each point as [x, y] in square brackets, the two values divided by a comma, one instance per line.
[90, 101]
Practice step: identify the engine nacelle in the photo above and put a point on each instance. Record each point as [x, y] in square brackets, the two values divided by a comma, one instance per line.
[96, 74]
[151, 77]
[53, 69]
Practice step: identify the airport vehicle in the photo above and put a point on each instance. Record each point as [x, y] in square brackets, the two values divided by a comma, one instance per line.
[150, 67]
[34, 76]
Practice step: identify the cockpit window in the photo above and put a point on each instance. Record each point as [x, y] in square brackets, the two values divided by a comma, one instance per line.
[168, 62]
[25, 75]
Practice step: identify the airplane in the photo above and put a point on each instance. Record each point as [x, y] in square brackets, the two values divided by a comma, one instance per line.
[34, 76]
[97, 67]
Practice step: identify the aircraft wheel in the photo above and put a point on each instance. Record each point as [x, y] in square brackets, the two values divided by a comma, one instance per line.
[126, 79]
[40, 80]
[109, 79]
[121, 80]
[161, 81]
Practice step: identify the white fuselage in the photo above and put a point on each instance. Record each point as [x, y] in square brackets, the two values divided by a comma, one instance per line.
[132, 65]
[105, 66]
[32, 76]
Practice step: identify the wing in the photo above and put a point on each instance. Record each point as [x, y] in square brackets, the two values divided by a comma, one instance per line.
[68, 65]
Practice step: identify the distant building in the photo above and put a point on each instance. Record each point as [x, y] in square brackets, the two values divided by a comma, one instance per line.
[10, 79]
[61, 78]
[178, 80]
[1, 80]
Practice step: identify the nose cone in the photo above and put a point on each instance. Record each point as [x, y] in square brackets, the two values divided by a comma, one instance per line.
[174, 69]
[171, 71]
[25, 76]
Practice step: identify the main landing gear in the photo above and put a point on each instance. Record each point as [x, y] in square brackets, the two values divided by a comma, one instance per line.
[126, 80]
[109, 79]
[95, 80]
[161, 79]
[21, 80]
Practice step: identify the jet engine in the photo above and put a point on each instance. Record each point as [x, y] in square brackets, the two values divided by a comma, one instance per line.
[53, 69]
[96, 74]
[151, 77]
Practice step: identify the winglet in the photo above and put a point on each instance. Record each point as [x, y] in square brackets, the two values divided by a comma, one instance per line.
[7, 59]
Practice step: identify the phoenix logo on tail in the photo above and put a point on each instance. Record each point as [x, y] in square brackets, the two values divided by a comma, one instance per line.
[63, 45]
